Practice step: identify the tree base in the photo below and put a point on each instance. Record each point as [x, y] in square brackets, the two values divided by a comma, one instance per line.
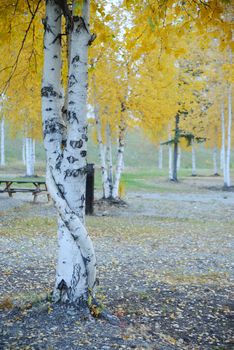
[228, 188]
[174, 180]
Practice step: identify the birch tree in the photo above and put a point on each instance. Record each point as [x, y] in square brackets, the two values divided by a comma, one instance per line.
[2, 159]
[65, 142]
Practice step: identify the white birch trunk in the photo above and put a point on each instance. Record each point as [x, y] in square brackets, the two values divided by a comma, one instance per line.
[119, 162]
[102, 156]
[215, 161]
[34, 151]
[179, 158]
[66, 161]
[24, 151]
[223, 145]
[229, 130]
[170, 158]
[29, 158]
[2, 161]
[160, 156]
[194, 168]
[109, 158]
[221, 158]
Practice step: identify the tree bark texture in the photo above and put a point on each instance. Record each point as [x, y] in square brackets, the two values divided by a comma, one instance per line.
[2, 160]
[109, 158]
[102, 156]
[176, 143]
[215, 161]
[160, 156]
[229, 131]
[119, 163]
[65, 140]
[194, 168]
[225, 183]
[29, 156]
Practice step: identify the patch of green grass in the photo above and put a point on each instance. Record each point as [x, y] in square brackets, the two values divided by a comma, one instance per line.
[29, 227]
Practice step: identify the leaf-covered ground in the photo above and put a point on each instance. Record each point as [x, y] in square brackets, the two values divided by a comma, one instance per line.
[165, 269]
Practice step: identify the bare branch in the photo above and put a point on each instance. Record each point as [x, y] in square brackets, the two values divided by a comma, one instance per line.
[14, 66]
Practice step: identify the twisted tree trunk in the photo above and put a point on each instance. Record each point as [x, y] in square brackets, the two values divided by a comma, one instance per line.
[65, 140]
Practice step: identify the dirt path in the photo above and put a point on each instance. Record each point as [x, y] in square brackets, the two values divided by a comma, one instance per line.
[165, 269]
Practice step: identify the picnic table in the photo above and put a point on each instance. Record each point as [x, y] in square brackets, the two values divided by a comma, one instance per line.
[10, 187]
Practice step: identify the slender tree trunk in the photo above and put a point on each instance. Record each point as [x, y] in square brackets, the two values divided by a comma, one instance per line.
[223, 145]
[176, 141]
[34, 151]
[102, 156]
[109, 158]
[29, 157]
[170, 161]
[66, 158]
[160, 156]
[2, 162]
[179, 158]
[24, 150]
[119, 163]
[221, 158]
[32, 156]
[215, 161]
[229, 130]
[194, 168]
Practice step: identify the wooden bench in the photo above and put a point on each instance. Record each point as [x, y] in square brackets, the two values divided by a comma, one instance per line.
[10, 187]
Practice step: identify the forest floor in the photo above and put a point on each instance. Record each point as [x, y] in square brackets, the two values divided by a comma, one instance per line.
[164, 266]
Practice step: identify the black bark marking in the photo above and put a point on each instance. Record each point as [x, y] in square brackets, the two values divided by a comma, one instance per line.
[48, 109]
[83, 154]
[72, 80]
[71, 117]
[61, 190]
[52, 126]
[71, 159]
[71, 103]
[48, 91]
[74, 172]
[92, 38]
[85, 137]
[62, 285]
[76, 144]
[75, 59]
[82, 199]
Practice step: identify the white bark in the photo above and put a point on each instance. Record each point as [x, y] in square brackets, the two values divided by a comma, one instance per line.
[2, 161]
[24, 151]
[34, 151]
[102, 156]
[109, 158]
[194, 168]
[170, 158]
[119, 162]
[179, 158]
[160, 156]
[223, 145]
[229, 130]
[29, 156]
[66, 161]
[215, 161]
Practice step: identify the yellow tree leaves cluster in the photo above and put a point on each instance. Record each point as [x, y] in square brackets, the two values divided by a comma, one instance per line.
[21, 43]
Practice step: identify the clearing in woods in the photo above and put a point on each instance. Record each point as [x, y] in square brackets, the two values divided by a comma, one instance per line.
[165, 269]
